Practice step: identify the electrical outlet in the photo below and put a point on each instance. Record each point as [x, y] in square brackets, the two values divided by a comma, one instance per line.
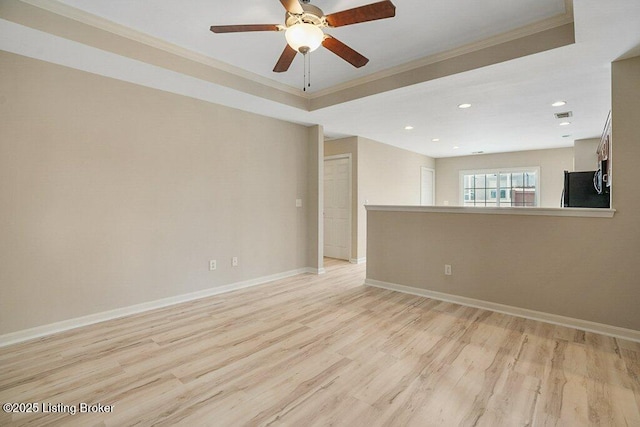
[234, 261]
[447, 270]
[212, 265]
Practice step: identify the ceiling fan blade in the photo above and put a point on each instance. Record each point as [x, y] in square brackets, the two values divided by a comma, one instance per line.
[292, 6]
[344, 51]
[244, 28]
[371, 12]
[285, 60]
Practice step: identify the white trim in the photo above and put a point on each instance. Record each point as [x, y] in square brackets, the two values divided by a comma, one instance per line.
[527, 30]
[338, 156]
[347, 156]
[312, 270]
[79, 15]
[65, 325]
[95, 21]
[358, 260]
[584, 325]
[497, 171]
[573, 212]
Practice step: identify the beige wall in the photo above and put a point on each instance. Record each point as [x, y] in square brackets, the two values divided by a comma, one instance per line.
[386, 176]
[585, 268]
[584, 154]
[381, 174]
[112, 194]
[552, 165]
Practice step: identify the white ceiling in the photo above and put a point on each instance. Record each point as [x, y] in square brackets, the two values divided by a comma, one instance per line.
[386, 42]
[510, 101]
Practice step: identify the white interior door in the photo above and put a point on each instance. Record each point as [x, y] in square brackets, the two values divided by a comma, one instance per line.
[427, 186]
[337, 208]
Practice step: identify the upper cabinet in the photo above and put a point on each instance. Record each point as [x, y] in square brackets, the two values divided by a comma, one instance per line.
[604, 156]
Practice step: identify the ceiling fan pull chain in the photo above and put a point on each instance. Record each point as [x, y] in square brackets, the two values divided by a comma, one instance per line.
[309, 82]
[307, 72]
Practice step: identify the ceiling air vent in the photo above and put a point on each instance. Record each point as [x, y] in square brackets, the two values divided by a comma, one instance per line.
[564, 115]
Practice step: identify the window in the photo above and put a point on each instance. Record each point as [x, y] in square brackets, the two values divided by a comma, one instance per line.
[503, 187]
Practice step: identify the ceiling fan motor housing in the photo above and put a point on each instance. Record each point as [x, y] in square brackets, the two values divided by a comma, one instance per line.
[312, 15]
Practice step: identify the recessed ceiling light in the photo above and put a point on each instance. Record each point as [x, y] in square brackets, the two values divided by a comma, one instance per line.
[408, 127]
[559, 103]
[435, 140]
[464, 105]
[565, 123]
[456, 147]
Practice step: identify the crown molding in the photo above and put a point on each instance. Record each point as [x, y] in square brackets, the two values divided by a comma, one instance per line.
[81, 16]
[527, 30]
[568, 8]
[91, 20]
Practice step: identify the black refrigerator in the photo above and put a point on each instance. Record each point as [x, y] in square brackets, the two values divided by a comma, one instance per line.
[580, 191]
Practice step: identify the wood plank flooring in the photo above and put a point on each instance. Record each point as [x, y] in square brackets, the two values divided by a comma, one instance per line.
[324, 350]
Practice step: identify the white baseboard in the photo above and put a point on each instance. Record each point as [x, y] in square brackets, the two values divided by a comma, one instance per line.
[315, 270]
[52, 328]
[358, 260]
[585, 325]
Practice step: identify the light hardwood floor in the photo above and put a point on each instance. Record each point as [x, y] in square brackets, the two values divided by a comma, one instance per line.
[325, 350]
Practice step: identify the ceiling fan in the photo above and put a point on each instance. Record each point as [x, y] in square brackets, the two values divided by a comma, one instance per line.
[303, 29]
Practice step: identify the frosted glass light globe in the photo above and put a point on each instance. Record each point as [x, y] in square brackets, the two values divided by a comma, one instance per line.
[304, 36]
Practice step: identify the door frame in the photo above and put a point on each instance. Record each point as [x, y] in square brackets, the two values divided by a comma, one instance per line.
[433, 189]
[347, 156]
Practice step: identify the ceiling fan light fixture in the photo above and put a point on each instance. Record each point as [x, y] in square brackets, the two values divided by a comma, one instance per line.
[304, 37]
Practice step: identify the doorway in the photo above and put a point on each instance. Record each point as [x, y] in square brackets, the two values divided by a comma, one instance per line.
[427, 186]
[337, 206]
